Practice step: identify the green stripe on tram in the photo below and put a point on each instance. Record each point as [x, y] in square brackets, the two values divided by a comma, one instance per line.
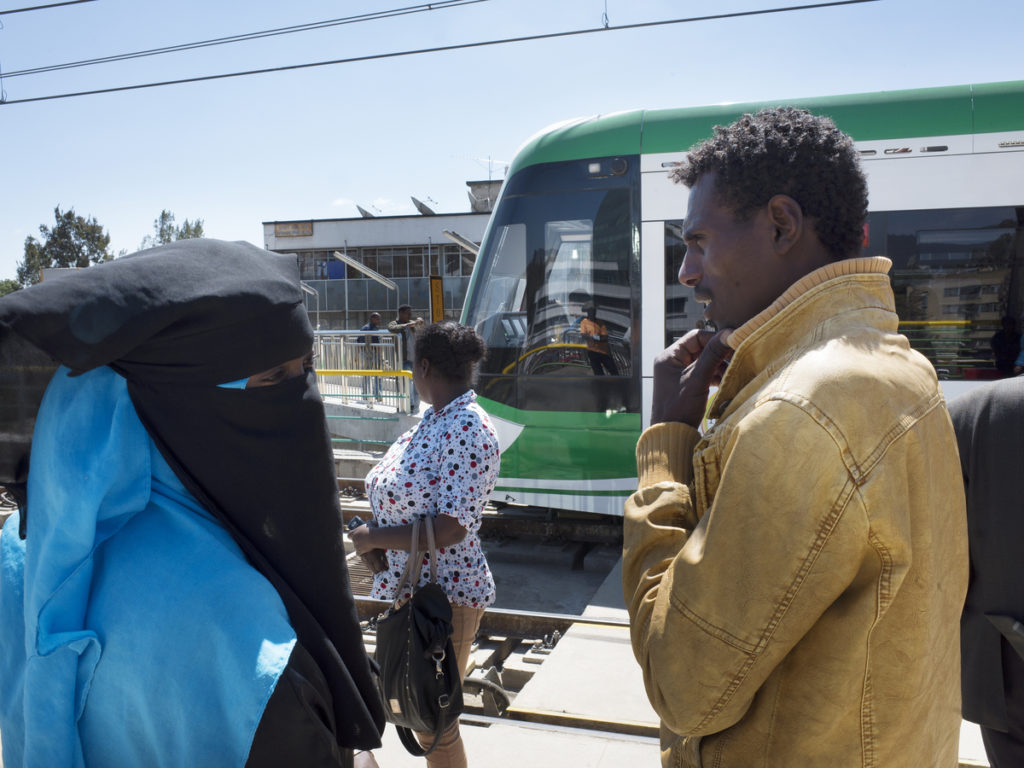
[945, 111]
[999, 107]
[560, 445]
[561, 491]
[598, 136]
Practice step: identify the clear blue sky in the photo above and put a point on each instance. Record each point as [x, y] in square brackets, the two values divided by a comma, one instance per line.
[311, 143]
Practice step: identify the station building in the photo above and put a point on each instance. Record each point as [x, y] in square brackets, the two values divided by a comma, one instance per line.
[406, 250]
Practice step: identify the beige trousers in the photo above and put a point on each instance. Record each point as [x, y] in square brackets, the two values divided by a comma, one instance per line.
[450, 752]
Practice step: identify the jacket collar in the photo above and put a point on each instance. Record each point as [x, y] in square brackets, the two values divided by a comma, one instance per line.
[804, 312]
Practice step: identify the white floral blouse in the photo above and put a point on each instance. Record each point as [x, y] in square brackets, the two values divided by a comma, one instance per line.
[447, 465]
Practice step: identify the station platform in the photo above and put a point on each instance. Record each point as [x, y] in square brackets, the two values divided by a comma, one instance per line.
[586, 705]
[508, 744]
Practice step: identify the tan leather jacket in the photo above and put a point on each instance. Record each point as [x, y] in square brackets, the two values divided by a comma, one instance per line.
[795, 577]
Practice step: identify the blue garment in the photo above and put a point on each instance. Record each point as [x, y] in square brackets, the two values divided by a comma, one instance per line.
[239, 384]
[369, 327]
[132, 629]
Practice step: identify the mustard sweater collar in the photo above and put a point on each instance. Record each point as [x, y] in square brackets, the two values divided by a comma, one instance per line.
[831, 271]
[762, 341]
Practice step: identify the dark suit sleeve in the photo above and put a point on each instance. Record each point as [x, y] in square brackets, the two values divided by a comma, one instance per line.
[297, 727]
[961, 414]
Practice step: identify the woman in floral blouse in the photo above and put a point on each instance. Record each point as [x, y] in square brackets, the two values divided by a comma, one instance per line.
[445, 467]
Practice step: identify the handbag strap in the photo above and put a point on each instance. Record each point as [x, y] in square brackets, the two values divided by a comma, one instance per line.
[414, 557]
[432, 544]
[410, 575]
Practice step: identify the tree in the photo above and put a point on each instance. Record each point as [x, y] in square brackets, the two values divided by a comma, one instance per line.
[72, 242]
[8, 286]
[165, 232]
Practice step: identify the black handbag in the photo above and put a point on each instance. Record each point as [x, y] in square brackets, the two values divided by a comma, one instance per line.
[420, 681]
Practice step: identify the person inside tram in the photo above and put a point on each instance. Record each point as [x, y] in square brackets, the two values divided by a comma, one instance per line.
[1006, 346]
[173, 588]
[794, 575]
[595, 334]
[445, 467]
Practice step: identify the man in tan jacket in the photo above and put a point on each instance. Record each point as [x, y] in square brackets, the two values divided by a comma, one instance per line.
[795, 575]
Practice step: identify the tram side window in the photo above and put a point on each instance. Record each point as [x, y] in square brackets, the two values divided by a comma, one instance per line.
[504, 328]
[683, 313]
[956, 275]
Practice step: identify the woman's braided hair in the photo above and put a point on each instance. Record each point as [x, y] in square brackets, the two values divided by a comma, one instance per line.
[452, 349]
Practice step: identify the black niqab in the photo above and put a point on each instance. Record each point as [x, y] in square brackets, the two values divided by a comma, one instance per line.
[176, 321]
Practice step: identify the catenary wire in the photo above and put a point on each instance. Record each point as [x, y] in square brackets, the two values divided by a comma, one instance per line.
[44, 7]
[437, 49]
[313, 25]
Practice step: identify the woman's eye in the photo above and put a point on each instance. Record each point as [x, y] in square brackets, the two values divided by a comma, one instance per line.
[270, 377]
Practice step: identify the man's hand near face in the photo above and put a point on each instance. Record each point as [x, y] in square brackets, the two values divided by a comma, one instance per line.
[684, 374]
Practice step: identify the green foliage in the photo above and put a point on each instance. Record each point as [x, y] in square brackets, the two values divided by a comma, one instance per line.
[190, 229]
[165, 232]
[8, 286]
[73, 241]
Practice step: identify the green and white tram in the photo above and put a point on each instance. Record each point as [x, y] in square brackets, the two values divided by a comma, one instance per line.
[588, 216]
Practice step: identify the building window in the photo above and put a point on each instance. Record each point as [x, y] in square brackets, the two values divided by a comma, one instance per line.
[399, 262]
[313, 264]
[458, 262]
[415, 262]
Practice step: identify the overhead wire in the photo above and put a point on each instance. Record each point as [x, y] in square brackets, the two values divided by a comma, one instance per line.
[44, 7]
[3, 93]
[313, 25]
[438, 49]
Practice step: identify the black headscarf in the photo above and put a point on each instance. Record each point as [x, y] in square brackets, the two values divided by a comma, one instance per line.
[175, 322]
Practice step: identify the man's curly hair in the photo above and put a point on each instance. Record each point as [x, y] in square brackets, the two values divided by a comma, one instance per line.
[792, 152]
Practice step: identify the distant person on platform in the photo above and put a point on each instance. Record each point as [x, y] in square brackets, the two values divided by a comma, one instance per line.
[989, 423]
[1005, 345]
[595, 333]
[406, 326]
[794, 576]
[371, 354]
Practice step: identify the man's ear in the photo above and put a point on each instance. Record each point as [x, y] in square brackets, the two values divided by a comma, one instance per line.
[787, 220]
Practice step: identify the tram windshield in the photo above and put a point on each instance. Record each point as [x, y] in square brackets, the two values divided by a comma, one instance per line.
[555, 287]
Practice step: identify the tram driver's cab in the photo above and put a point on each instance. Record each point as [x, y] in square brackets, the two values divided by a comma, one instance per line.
[566, 249]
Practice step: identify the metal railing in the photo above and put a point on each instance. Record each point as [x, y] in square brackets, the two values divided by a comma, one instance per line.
[362, 367]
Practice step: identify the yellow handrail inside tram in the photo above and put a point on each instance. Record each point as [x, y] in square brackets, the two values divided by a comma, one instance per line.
[535, 350]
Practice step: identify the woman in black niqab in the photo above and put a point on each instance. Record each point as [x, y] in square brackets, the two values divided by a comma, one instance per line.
[177, 322]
